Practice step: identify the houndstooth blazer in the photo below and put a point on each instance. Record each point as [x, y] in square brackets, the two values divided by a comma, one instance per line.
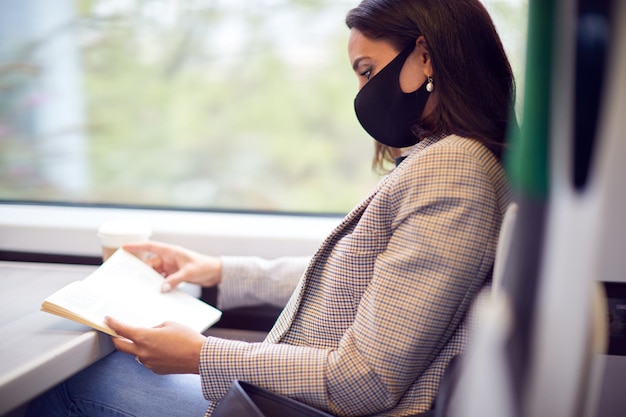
[378, 312]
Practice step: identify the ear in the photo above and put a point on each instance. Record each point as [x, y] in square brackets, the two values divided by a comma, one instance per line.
[421, 47]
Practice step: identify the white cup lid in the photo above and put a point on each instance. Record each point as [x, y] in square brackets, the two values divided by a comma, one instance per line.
[116, 233]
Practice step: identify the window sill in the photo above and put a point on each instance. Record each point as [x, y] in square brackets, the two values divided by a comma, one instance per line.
[68, 230]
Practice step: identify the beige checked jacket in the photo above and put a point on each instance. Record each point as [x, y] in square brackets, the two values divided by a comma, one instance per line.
[378, 313]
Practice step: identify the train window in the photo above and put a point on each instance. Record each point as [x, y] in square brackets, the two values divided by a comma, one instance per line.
[238, 105]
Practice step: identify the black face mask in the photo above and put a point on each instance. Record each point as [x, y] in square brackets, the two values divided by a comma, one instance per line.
[385, 111]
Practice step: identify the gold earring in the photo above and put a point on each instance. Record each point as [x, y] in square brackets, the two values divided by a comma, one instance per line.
[430, 86]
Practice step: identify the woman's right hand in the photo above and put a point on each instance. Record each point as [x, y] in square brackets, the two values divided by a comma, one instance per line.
[178, 264]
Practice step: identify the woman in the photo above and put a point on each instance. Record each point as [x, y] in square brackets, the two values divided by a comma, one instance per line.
[378, 312]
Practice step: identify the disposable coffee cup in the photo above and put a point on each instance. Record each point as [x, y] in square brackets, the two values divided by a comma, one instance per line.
[116, 233]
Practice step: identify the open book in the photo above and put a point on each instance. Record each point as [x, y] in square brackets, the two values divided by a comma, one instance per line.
[129, 290]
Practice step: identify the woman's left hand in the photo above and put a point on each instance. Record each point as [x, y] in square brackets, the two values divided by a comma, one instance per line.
[169, 348]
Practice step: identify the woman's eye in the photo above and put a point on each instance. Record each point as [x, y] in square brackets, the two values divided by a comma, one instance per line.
[367, 73]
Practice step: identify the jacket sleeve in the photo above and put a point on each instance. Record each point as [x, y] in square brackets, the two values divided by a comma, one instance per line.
[250, 281]
[444, 219]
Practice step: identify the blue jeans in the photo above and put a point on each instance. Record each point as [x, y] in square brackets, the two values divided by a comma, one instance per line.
[117, 386]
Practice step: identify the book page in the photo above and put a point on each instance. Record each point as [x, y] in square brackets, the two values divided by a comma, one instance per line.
[124, 272]
[128, 290]
[78, 299]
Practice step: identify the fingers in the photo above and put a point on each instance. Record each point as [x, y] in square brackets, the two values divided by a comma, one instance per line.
[159, 251]
[172, 281]
[179, 265]
[137, 248]
[153, 254]
[132, 340]
[123, 330]
[155, 262]
[124, 345]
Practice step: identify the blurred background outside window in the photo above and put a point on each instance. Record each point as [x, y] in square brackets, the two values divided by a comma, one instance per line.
[239, 105]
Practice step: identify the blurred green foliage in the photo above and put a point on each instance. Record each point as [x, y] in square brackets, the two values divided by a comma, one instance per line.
[176, 118]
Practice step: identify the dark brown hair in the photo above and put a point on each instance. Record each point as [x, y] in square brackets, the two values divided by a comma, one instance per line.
[473, 78]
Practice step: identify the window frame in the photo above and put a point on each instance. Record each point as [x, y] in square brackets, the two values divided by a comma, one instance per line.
[70, 230]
